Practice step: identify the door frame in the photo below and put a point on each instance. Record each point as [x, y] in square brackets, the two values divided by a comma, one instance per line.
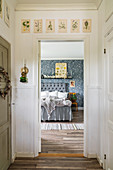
[37, 82]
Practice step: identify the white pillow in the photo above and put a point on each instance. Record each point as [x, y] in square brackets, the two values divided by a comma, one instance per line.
[44, 94]
[62, 95]
[53, 94]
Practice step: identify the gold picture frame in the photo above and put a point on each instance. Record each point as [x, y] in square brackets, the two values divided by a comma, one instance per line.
[38, 26]
[61, 70]
[25, 25]
[62, 25]
[6, 14]
[75, 25]
[86, 25]
[1, 9]
[50, 25]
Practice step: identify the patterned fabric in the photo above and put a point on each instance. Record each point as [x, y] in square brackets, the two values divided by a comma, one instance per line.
[77, 68]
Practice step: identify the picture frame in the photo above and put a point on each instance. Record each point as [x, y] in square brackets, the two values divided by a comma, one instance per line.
[86, 25]
[25, 25]
[6, 14]
[72, 83]
[1, 9]
[50, 25]
[62, 25]
[38, 26]
[61, 70]
[75, 25]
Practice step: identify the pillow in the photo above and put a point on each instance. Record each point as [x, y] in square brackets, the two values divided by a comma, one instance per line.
[62, 95]
[53, 94]
[44, 94]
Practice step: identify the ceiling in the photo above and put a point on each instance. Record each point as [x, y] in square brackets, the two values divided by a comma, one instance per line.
[58, 4]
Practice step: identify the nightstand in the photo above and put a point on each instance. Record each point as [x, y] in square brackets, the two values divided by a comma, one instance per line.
[73, 101]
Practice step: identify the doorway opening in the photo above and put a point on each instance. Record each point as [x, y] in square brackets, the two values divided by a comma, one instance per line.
[62, 97]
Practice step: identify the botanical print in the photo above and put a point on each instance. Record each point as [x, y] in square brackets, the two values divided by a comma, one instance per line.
[6, 14]
[86, 25]
[50, 25]
[25, 25]
[75, 25]
[1, 8]
[61, 70]
[62, 26]
[38, 26]
[72, 83]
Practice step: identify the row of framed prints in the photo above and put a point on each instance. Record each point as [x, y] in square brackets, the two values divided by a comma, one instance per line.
[62, 25]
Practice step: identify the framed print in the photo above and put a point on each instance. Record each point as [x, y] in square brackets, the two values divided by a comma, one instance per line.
[1, 8]
[62, 25]
[75, 25]
[38, 26]
[6, 14]
[86, 25]
[50, 25]
[25, 25]
[72, 83]
[61, 70]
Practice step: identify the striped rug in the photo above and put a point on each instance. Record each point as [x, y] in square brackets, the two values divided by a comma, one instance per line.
[61, 126]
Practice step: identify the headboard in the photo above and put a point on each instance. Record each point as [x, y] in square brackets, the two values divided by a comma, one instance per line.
[61, 87]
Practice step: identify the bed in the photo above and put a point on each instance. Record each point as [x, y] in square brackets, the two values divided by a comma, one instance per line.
[54, 103]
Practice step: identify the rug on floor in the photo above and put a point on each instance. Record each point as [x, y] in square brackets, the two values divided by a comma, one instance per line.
[61, 126]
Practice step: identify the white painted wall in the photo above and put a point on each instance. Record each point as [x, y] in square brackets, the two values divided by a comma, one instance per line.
[62, 50]
[24, 96]
[8, 34]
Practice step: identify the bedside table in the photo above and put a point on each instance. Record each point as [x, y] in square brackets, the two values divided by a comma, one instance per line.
[73, 102]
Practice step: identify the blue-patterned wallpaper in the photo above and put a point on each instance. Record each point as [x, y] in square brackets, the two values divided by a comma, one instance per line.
[76, 66]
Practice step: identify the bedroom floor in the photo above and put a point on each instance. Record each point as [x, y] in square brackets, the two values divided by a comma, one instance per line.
[64, 140]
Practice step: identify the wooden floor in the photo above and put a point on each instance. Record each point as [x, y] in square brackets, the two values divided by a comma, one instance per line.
[52, 163]
[58, 152]
[78, 117]
[62, 141]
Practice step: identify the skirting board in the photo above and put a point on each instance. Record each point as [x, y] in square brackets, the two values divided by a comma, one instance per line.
[20, 154]
[92, 156]
[100, 161]
[13, 158]
[80, 108]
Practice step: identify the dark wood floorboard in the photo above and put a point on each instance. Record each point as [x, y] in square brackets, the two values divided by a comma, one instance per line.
[62, 141]
[52, 163]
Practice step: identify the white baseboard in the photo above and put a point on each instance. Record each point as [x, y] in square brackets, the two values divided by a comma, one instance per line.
[100, 161]
[80, 108]
[13, 158]
[92, 156]
[20, 154]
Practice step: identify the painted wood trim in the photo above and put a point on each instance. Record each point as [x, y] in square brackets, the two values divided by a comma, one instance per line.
[56, 7]
[81, 37]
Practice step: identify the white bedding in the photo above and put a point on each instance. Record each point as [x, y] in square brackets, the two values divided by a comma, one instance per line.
[49, 103]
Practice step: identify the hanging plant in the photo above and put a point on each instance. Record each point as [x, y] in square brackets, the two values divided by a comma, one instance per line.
[4, 83]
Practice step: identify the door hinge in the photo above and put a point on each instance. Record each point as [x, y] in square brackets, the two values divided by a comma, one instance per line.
[104, 50]
[104, 156]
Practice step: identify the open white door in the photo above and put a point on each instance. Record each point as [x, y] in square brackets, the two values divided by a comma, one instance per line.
[109, 102]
